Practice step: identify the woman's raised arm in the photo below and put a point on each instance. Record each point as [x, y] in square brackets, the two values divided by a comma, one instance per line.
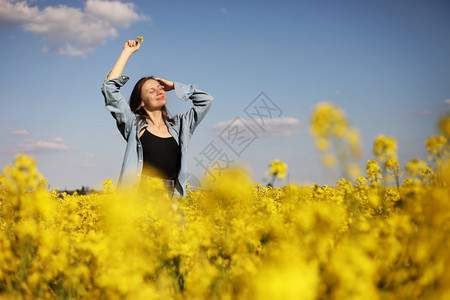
[129, 48]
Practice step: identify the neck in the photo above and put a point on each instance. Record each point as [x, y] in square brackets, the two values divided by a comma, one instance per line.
[156, 117]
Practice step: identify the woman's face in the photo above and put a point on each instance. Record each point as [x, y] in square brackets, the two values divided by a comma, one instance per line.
[153, 95]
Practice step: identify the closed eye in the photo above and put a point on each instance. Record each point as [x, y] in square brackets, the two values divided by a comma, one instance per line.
[152, 90]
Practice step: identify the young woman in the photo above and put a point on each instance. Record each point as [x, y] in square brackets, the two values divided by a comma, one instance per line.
[156, 143]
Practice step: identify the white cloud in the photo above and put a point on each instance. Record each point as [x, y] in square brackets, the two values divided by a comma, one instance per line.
[58, 140]
[272, 127]
[20, 132]
[70, 30]
[224, 11]
[115, 12]
[56, 144]
[13, 12]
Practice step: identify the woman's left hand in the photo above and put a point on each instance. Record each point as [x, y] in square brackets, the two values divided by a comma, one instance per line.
[167, 85]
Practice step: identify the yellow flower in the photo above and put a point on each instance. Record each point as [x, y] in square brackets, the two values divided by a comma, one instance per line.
[384, 148]
[444, 125]
[140, 39]
[415, 166]
[354, 142]
[373, 170]
[435, 144]
[392, 163]
[108, 186]
[278, 168]
[334, 133]
[232, 238]
[322, 143]
[329, 160]
[353, 170]
[328, 120]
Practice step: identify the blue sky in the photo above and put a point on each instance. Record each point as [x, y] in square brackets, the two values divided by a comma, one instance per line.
[385, 63]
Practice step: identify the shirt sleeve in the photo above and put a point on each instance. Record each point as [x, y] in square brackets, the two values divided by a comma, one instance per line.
[117, 105]
[201, 103]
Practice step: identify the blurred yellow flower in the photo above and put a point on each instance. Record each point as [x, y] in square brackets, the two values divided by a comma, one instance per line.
[322, 143]
[140, 39]
[329, 160]
[108, 186]
[435, 144]
[373, 170]
[277, 168]
[354, 171]
[415, 166]
[444, 125]
[384, 148]
[354, 141]
[392, 163]
[232, 239]
[338, 141]
[328, 120]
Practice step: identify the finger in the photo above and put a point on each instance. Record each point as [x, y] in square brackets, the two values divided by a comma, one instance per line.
[163, 81]
[166, 83]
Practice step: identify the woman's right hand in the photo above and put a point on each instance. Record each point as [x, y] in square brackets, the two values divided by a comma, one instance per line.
[131, 46]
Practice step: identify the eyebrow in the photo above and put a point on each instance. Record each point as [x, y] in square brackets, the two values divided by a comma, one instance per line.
[154, 87]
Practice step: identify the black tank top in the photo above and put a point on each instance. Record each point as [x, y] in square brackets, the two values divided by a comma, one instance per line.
[161, 156]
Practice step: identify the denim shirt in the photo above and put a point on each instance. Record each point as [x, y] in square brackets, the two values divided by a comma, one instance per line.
[181, 128]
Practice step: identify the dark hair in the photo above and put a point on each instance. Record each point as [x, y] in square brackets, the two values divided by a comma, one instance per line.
[135, 102]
